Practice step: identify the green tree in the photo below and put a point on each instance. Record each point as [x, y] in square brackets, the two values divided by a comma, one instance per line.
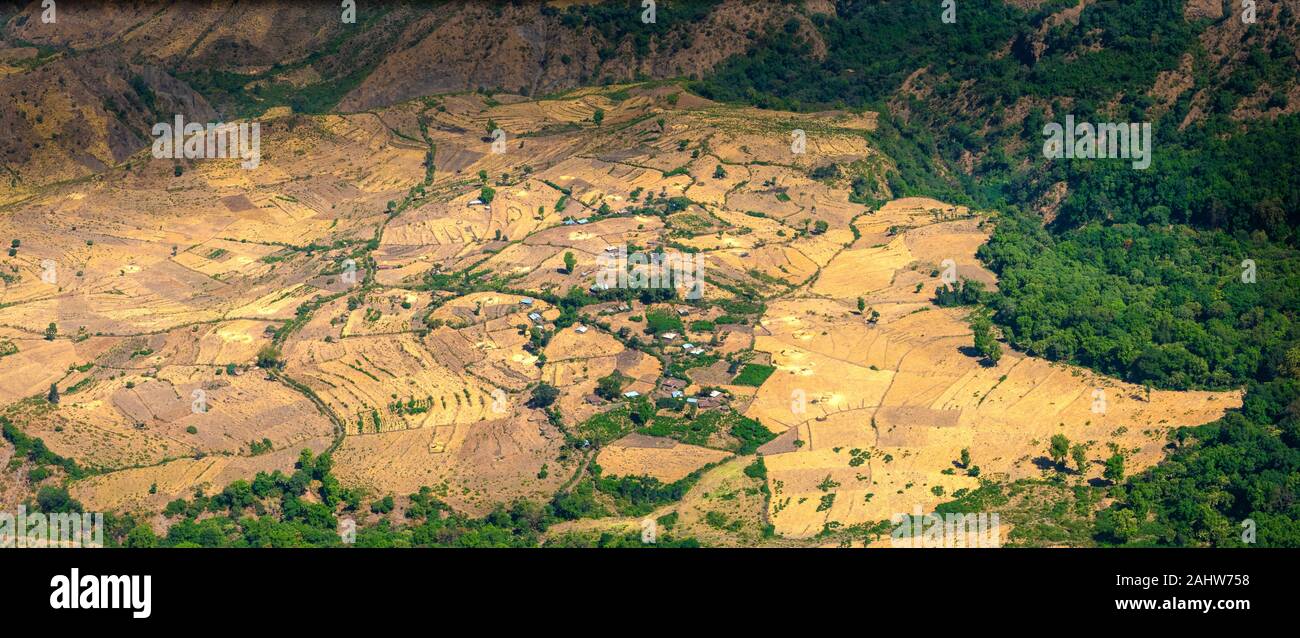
[51, 500]
[965, 457]
[598, 116]
[268, 356]
[1080, 456]
[141, 536]
[570, 262]
[1059, 448]
[1114, 471]
[610, 386]
[53, 395]
[985, 344]
[543, 396]
[1123, 524]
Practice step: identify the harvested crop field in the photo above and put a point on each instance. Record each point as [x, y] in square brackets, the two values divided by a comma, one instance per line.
[664, 459]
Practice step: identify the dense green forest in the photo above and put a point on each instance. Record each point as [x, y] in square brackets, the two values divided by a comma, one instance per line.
[1214, 173]
[1156, 304]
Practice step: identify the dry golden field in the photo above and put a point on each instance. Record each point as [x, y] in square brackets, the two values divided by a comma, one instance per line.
[401, 317]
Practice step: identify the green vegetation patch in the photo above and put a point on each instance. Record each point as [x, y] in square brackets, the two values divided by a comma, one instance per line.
[754, 374]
